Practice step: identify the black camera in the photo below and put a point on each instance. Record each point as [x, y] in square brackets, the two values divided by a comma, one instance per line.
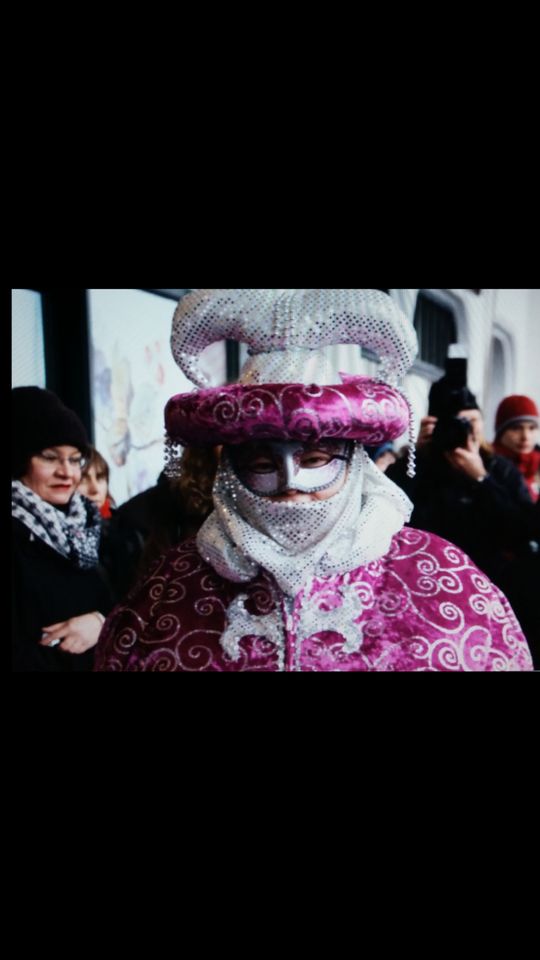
[450, 433]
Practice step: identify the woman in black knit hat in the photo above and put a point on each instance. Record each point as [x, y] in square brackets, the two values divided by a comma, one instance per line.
[59, 596]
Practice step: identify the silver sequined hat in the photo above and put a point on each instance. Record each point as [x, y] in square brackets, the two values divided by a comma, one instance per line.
[284, 391]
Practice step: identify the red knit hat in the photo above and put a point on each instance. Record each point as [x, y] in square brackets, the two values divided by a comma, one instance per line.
[512, 410]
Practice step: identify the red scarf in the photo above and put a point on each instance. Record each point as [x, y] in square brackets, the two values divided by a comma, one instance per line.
[528, 465]
[105, 510]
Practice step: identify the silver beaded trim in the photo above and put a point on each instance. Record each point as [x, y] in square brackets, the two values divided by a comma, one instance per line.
[172, 457]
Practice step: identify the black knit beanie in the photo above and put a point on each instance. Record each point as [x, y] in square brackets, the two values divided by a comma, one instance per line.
[41, 420]
[446, 401]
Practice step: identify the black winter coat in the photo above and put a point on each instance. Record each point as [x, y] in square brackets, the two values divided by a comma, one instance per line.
[142, 529]
[48, 588]
[489, 520]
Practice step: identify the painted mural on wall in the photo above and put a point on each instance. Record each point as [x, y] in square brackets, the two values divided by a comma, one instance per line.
[133, 377]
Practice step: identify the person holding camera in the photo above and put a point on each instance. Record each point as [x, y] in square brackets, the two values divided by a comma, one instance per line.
[462, 491]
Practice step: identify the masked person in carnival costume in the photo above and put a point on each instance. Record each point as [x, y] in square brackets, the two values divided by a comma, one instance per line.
[305, 563]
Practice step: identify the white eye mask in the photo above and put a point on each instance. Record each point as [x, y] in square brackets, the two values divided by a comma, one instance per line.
[274, 467]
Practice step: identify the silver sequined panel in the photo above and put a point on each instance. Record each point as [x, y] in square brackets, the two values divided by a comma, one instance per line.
[290, 323]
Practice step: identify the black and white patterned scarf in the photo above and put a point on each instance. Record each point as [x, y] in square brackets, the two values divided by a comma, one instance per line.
[75, 534]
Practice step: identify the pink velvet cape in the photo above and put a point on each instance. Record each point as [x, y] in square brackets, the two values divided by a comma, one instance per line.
[425, 607]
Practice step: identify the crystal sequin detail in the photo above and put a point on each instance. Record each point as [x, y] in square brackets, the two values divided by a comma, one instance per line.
[241, 623]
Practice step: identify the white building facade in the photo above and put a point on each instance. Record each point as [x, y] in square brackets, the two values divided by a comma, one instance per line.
[498, 329]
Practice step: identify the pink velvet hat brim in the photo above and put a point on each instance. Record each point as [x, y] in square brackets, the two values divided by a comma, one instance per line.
[359, 409]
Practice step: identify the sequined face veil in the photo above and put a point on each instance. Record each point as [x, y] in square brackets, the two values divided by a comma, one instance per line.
[270, 468]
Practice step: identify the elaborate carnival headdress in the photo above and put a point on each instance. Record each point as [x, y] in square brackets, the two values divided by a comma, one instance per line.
[284, 390]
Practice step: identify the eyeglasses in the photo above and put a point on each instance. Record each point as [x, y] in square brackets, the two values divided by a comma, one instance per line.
[54, 460]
